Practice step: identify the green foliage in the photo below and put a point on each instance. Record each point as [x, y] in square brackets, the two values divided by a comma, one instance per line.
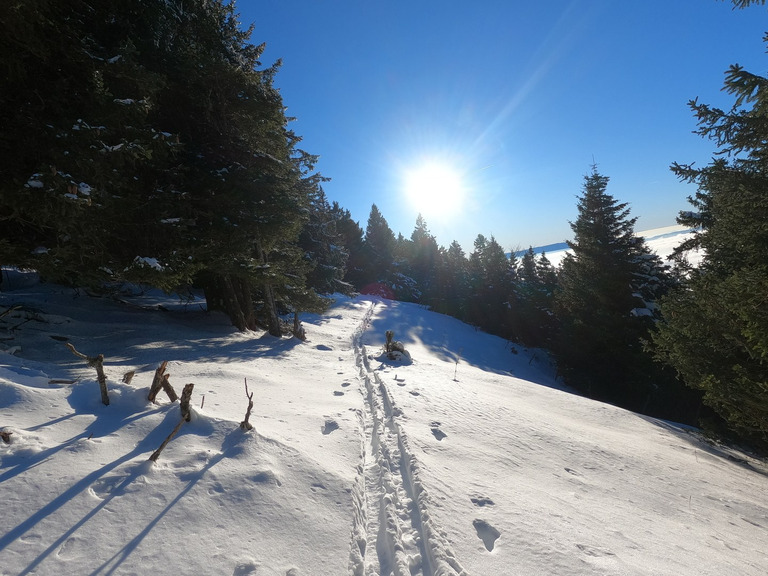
[534, 315]
[492, 288]
[324, 249]
[148, 131]
[379, 248]
[605, 301]
[716, 337]
[715, 326]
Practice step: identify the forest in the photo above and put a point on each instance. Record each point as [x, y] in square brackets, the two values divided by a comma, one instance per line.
[145, 143]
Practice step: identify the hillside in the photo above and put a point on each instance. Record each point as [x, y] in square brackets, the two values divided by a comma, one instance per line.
[469, 459]
[662, 241]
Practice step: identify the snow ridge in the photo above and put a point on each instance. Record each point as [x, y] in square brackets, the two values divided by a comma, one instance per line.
[391, 510]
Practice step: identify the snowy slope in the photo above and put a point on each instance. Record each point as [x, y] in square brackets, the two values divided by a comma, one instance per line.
[469, 459]
[662, 241]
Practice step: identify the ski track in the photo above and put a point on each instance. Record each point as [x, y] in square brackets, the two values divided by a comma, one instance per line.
[393, 533]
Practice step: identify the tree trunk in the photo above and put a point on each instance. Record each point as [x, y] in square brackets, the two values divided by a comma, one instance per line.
[232, 295]
[270, 308]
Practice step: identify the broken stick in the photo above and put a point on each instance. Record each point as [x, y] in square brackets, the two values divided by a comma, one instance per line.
[96, 362]
[157, 382]
[245, 425]
[186, 415]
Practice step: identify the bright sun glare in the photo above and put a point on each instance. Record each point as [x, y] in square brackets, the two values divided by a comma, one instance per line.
[435, 190]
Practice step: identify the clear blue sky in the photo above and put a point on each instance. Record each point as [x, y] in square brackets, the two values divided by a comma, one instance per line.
[519, 98]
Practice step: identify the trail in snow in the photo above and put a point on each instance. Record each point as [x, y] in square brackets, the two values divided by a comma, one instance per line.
[393, 533]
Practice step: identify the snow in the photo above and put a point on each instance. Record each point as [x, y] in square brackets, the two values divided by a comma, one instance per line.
[150, 262]
[662, 241]
[471, 458]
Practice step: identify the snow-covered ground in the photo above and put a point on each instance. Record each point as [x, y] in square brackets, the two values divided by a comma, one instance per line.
[469, 459]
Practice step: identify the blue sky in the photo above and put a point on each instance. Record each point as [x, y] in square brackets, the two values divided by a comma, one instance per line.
[519, 99]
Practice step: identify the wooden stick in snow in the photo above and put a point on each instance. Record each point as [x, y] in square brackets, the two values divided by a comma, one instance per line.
[168, 389]
[157, 382]
[245, 425]
[186, 395]
[96, 362]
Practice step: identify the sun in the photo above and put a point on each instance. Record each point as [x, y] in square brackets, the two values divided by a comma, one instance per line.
[435, 189]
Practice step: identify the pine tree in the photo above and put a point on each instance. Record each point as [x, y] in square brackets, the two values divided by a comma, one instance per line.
[493, 277]
[423, 260]
[715, 330]
[603, 315]
[324, 248]
[79, 152]
[534, 314]
[351, 238]
[452, 282]
[161, 153]
[379, 246]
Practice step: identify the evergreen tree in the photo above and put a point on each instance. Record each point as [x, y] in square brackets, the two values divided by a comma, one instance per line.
[324, 248]
[493, 277]
[452, 282]
[79, 152]
[715, 330]
[351, 237]
[423, 260]
[379, 248]
[534, 315]
[603, 314]
[161, 153]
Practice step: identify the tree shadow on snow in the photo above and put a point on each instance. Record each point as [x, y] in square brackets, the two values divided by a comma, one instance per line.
[104, 424]
[451, 340]
[696, 440]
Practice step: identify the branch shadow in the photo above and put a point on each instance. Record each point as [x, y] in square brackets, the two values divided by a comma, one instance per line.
[152, 439]
[230, 444]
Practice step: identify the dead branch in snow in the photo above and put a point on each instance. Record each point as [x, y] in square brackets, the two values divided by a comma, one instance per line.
[161, 381]
[186, 415]
[96, 362]
[245, 425]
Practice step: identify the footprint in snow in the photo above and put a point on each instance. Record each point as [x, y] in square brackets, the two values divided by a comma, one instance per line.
[250, 568]
[487, 533]
[323, 347]
[482, 501]
[338, 393]
[436, 432]
[330, 426]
